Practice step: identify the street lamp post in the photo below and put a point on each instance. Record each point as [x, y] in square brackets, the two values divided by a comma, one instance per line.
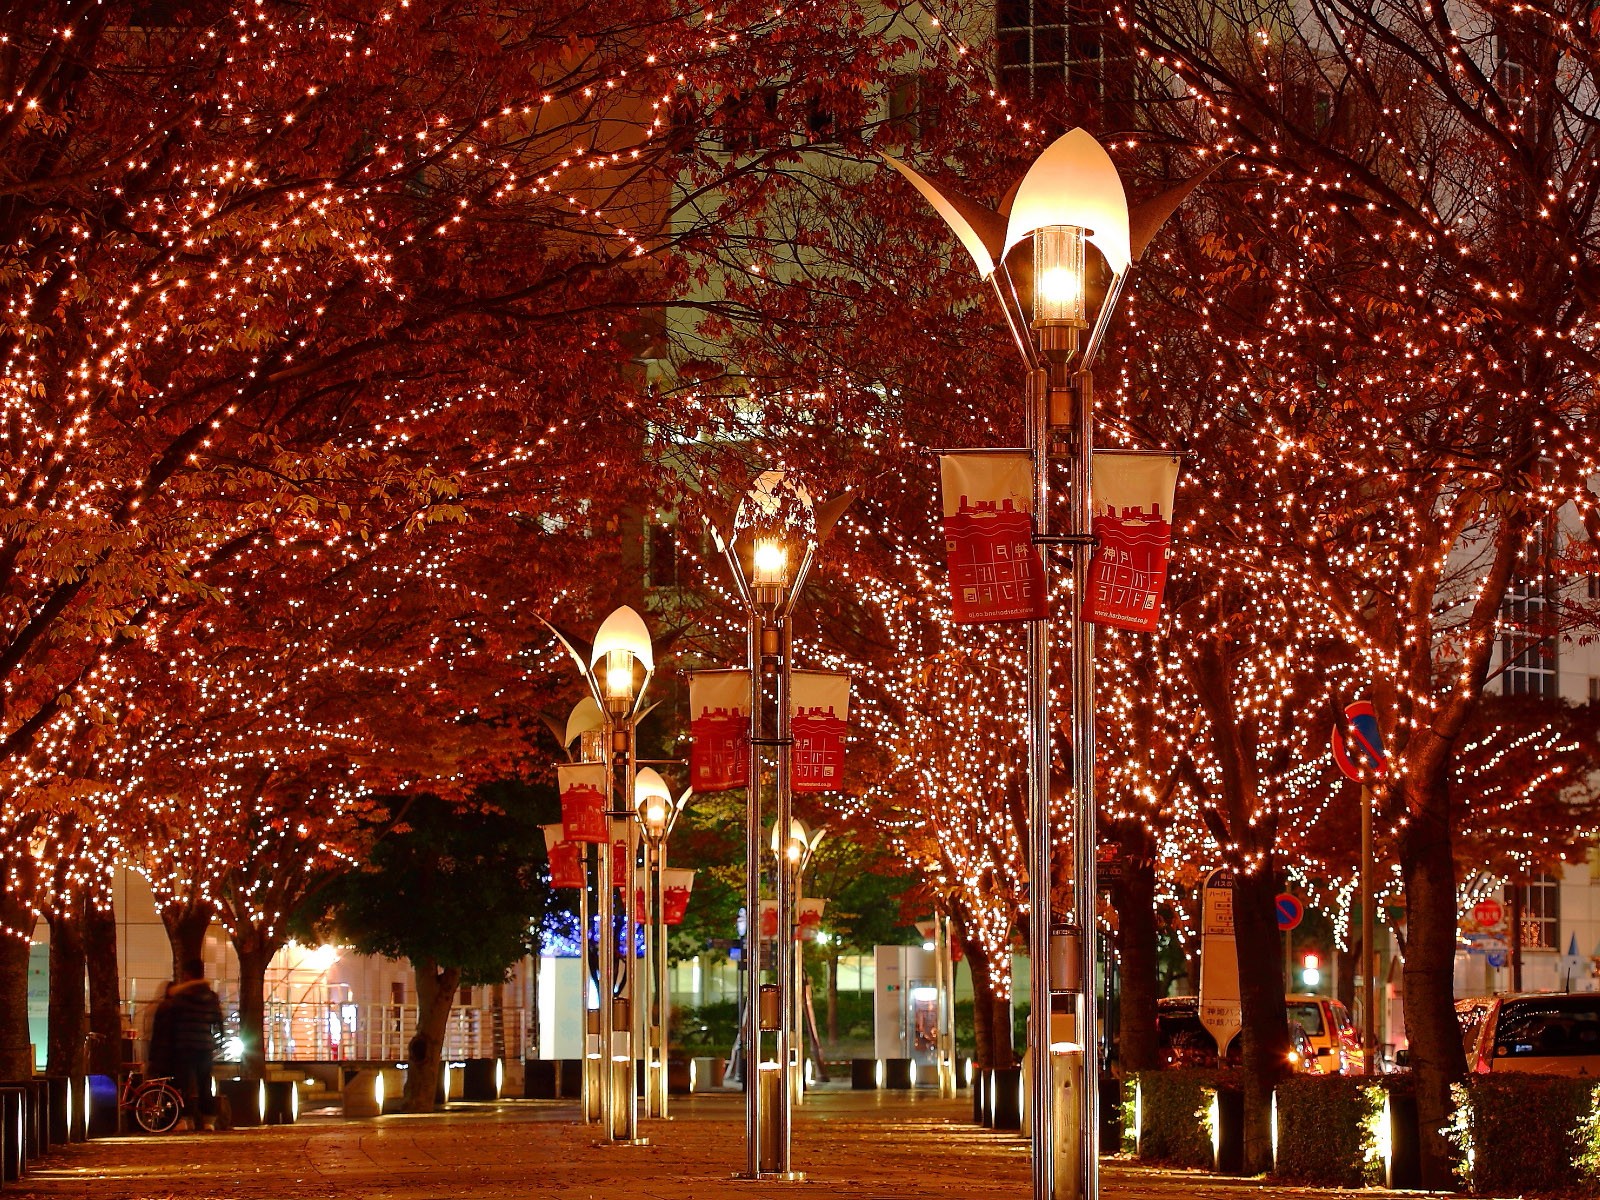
[586, 726]
[657, 813]
[1071, 198]
[775, 524]
[622, 648]
[794, 854]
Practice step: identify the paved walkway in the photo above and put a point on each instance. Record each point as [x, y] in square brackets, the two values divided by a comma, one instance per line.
[861, 1145]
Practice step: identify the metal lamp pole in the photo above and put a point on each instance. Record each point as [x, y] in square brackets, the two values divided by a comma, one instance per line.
[1071, 194]
[769, 595]
[657, 814]
[621, 644]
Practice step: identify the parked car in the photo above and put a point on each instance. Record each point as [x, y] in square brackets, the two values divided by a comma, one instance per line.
[1544, 1034]
[1334, 1040]
[1187, 1043]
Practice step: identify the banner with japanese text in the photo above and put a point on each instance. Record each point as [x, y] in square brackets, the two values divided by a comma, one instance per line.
[676, 884]
[995, 570]
[583, 801]
[566, 858]
[719, 730]
[1133, 535]
[819, 715]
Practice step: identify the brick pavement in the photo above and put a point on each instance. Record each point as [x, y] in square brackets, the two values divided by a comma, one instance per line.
[860, 1145]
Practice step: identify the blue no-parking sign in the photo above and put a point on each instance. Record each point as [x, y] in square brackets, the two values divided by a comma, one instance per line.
[1290, 910]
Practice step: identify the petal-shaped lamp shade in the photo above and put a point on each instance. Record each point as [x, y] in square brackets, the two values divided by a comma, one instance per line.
[648, 784]
[959, 225]
[776, 503]
[624, 630]
[586, 716]
[1074, 182]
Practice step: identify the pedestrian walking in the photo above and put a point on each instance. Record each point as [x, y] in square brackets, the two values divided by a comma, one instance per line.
[184, 1034]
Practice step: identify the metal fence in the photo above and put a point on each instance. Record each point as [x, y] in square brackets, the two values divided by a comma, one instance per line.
[325, 1032]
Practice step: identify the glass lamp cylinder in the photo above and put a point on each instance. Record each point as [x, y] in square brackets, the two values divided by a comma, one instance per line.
[769, 569]
[1058, 277]
[618, 684]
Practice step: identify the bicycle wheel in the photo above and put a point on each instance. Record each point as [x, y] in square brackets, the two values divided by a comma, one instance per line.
[157, 1108]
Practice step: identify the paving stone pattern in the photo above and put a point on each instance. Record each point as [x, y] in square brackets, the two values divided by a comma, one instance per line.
[865, 1146]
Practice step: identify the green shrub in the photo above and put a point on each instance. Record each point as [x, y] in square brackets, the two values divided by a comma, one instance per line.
[1326, 1130]
[1520, 1133]
[1173, 1115]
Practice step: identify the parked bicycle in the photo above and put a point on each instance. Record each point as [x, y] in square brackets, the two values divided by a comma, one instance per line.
[156, 1105]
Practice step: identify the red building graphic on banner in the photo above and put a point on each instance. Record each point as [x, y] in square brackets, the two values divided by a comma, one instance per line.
[619, 864]
[583, 802]
[995, 572]
[1128, 570]
[719, 757]
[818, 752]
[566, 865]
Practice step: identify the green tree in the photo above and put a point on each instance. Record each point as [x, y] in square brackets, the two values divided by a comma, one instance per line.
[457, 890]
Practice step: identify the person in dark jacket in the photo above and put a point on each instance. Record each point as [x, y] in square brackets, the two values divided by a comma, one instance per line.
[190, 1022]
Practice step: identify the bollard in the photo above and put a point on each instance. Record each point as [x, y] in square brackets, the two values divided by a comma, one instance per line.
[482, 1079]
[569, 1078]
[13, 1134]
[78, 1108]
[1065, 1147]
[864, 1074]
[897, 1074]
[247, 1101]
[980, 1098]
[680, 1076]
[59, 1111]
[102, 1117]
[1005, 1099]
[361, 1096]
[282, 1105]
[770, 1081]
[1227, 1131]
[37, 1120]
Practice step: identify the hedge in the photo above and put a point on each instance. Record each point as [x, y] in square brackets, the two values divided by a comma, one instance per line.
[1173, 1115]
[1326, 1130]
[1519, 1133]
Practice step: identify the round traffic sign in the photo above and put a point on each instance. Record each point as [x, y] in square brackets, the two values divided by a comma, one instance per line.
[1488, 913]
[1290, 910]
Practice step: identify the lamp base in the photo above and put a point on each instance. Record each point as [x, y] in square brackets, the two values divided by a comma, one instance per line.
[769, 1177]
[624, 1142]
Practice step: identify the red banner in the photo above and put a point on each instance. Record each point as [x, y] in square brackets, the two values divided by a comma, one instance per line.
[1128, 570]
[719, 728]
[810, 921]
[676, 884]
[619, 855]
[995, 571]
[819, 714]
[583, 801]
[769, 920]
[566, 859]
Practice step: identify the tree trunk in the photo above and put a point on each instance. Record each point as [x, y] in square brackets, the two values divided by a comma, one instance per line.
[1427, 868]
[67, 1021]
[833, 998]
[186, 931]
[16, 1050]
[255, 952]
[436, 993]
[1138, 1042]
[982, 1003]
[1265, 1033]
[105, 990]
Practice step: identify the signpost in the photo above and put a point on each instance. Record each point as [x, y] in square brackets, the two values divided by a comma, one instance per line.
[1361, 758]
[1220, 1011]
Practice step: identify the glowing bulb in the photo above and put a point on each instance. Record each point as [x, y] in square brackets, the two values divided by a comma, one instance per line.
[771, 563]
[1058, 267]
[619, 675]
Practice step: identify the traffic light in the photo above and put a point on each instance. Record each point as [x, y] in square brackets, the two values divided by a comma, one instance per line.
[1310, 970]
